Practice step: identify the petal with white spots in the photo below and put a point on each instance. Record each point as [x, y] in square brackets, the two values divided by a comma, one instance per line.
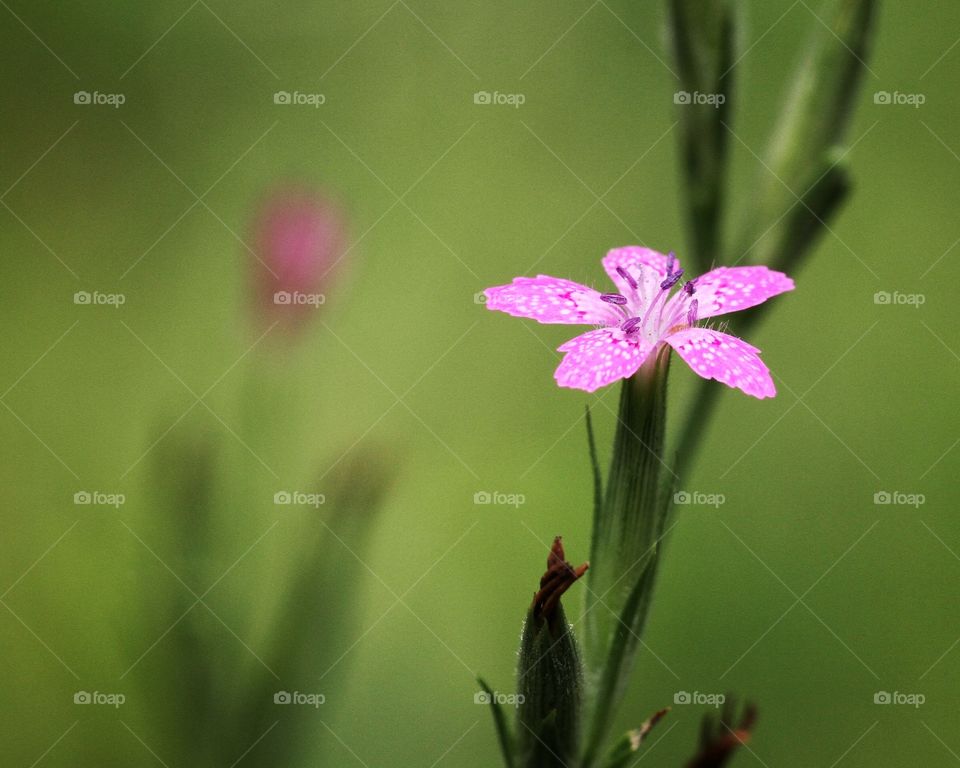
[551, 300]
[726, 358]
[597, 358]
[730, 289]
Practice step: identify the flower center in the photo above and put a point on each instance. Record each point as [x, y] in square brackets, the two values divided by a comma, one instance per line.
[651, 318]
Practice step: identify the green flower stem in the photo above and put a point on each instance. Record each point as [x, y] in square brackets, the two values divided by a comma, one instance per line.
[628, 525]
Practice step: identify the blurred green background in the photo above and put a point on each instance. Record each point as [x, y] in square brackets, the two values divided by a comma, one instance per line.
[798, 593]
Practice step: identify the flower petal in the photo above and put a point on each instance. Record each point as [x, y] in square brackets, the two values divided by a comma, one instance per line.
[647, 267]
[726, 358]
[730, 289]
[551, 300]
[600, 357]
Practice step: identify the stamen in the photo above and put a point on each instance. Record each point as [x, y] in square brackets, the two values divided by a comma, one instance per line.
[672, 279]
[692, 312]
[671, 262]
[689, 288]
[614, 298]
[630, 325]
[626, 276]
[653, 304]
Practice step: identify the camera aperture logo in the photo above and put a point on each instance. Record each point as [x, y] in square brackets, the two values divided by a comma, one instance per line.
[299, 499]
[99, 499]
[297, 697]
[699, 499]
[97, 99]
[899, 499]
[515, 100]
[502, 301]
[299, 99]
[895, 298]
[915, 700]
[503, 699]
[686, 99]
[99, 697]
[98, 299]
[299, 299]
[898, 99]
[682, 698]
[499, 499]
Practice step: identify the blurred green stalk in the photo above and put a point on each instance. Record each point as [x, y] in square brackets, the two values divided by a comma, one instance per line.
[702, 36]
[802, 179]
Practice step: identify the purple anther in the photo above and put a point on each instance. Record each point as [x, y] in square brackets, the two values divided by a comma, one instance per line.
[671, 262]
[630, 325]
[692, 312]
[614, 298]
[672, 279]
[689, 288]
[626, 276]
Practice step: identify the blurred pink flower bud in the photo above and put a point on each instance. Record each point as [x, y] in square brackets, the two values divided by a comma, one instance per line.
[300, 238]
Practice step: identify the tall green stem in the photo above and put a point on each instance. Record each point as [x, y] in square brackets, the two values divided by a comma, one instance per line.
[628, 525]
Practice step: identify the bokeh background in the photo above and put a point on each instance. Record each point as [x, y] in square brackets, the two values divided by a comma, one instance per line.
[401, 398]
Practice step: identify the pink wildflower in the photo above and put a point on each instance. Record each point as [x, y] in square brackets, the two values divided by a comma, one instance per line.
[300, 236]
[642, 315]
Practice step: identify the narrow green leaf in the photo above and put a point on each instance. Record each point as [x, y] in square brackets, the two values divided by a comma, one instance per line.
[504, 735]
